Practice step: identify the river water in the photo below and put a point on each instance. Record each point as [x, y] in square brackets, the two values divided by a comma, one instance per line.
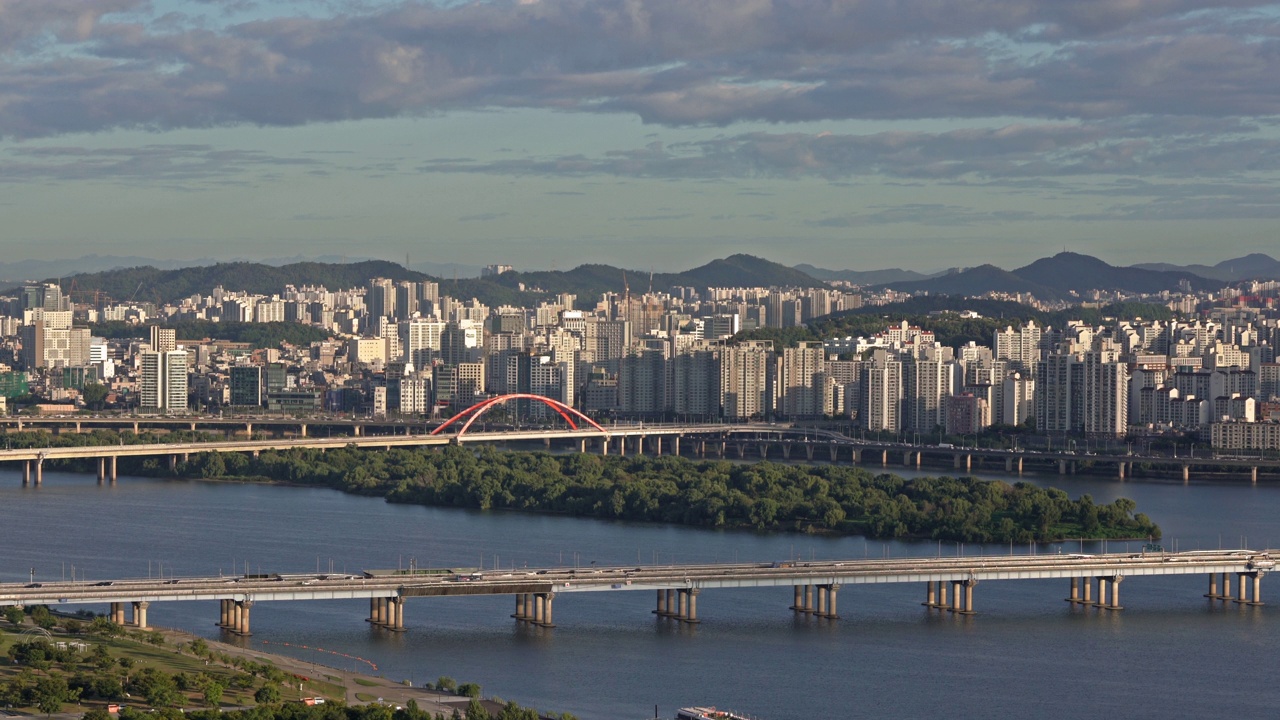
[1170, 653]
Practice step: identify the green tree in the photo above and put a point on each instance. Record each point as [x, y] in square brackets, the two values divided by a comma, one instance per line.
[97, 714]
[471, 690]
[446, 684]
[94, 394]
[267, 695]
[213, 695]
[476, 711]
[14, 615]
[40, 616]
[50, 693]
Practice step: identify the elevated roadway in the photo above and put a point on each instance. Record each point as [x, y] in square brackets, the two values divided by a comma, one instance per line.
[677, 587]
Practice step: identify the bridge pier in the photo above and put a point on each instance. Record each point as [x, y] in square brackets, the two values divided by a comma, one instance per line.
[302, 429]
[1088, 591]
[906, 459]
[827, 601]
[241, 616]
[1062, 467]
[1112, 582]
[39, 470]
[834, 451]
[140, 614]
[857, 456]
[1226, 586]
[395, 614]
[884, 458]
[661, 609]
[117, 613]
[1254, 474]
[968, 597]
[224, 613]
[26, 472]
[1213, 587]
[1186, 473]
[1245, 598]
[1120, 470]
[956, 597]
[764, 451]
[542, 610]
[968, 463]
[1008, 464]
[675, 445]
[786, 450]
[955, 461]
[808, 451]
[102, 470]
[112, 473]
[689, 605]
[1075, 591]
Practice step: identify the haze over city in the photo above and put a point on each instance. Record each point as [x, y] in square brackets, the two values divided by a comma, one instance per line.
[644, 133]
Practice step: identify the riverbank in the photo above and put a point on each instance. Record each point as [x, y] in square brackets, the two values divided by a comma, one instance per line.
[85, 663]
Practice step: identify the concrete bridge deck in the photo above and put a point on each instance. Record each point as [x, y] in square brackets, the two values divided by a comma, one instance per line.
[677, 587]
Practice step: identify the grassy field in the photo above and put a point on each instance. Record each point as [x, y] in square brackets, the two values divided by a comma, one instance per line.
[174, 657]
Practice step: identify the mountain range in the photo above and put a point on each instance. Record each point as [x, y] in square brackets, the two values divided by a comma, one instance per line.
[1250, 267]
[160, 285]
[1065, 276]
[28, 270]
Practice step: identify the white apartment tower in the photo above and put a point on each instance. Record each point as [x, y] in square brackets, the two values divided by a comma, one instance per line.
[163, 385]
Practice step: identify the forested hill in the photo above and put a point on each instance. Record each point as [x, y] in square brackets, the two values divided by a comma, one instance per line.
[588, 282]
[941, 315]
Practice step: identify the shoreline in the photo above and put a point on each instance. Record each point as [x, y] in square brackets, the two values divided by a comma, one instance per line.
[387, 691]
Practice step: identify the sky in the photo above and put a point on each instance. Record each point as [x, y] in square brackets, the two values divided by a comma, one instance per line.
[858, 134]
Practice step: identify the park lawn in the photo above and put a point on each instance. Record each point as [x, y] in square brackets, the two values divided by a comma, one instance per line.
[366, 683]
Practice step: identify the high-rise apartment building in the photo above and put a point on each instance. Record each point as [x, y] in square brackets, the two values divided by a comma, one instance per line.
[163, 381]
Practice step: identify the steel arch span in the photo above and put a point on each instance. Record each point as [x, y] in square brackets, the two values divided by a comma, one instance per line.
[480, 408]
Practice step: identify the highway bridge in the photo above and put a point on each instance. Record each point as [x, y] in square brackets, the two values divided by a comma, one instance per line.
[815, 585]
[755, 440]
[721, 440]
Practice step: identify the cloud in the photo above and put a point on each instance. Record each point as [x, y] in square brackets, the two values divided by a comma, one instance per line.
[923, 214]
[88, 65]
[1025, 155]
[174, 166]
[482, 217]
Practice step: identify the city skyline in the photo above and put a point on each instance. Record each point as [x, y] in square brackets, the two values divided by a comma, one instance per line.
[646, 134]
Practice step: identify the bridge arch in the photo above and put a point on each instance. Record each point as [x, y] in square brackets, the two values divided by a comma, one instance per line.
[480, 408]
